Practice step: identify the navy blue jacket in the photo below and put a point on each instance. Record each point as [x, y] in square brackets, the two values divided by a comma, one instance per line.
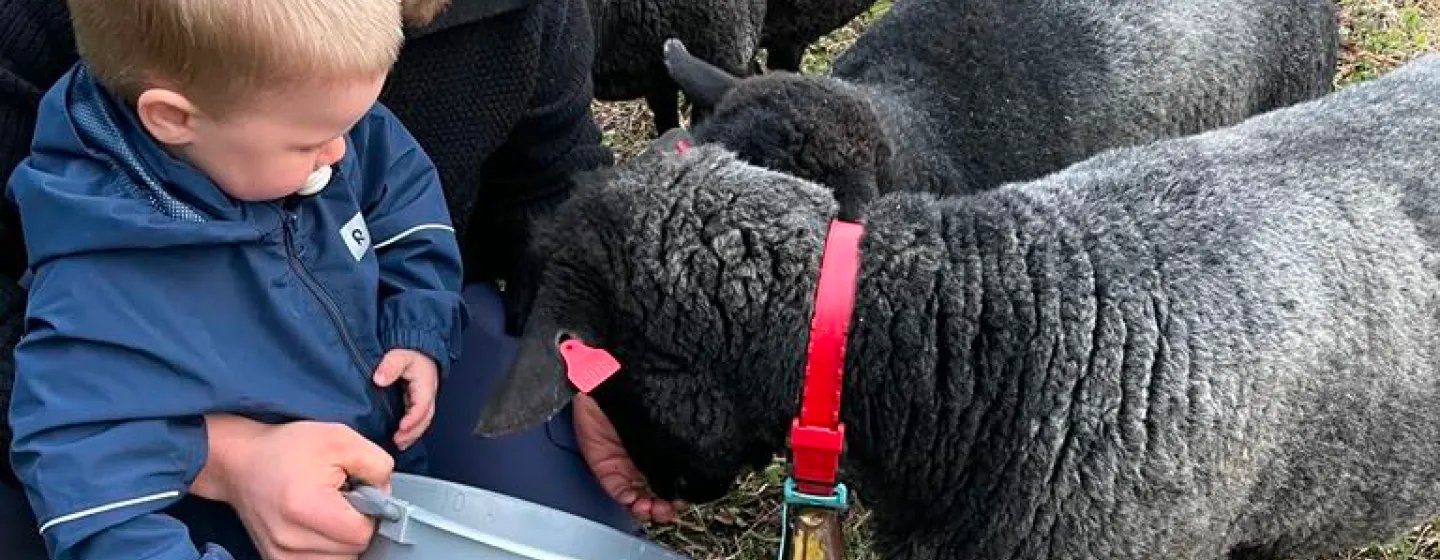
[497, 92]
[155, 299]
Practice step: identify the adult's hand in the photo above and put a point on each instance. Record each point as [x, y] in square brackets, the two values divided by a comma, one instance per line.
[600, 444]
[284, 481]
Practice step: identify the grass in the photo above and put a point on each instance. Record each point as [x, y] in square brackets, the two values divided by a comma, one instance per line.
[1381, 34]
[1377, 35]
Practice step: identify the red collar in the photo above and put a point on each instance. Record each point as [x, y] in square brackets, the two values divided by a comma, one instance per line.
[817, 436]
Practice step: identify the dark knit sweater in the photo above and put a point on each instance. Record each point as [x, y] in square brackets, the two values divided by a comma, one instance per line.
[496, 91]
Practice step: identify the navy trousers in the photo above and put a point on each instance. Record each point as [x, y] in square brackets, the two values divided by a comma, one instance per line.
[542, 465]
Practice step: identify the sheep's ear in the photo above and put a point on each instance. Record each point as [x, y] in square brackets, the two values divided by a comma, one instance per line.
[702, 82]
[536, 386]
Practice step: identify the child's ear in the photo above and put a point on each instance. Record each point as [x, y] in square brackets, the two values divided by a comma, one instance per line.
[167, 116]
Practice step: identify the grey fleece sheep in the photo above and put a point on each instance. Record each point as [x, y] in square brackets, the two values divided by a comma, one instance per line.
[629, 35]
[954, 96]
[792, 25]
[1222, 346]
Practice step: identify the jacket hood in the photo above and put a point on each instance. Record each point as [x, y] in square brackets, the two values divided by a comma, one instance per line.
[95, 169]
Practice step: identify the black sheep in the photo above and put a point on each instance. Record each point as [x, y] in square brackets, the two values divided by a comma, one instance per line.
[792, 25]
[955, 96]
[628, 54]
[1220, 346]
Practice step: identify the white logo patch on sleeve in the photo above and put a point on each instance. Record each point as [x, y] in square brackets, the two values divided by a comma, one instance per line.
[356, 236]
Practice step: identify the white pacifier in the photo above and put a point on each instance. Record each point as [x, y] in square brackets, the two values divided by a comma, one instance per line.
[316, 182]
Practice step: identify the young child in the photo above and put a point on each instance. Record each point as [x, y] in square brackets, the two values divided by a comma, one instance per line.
[220, 218]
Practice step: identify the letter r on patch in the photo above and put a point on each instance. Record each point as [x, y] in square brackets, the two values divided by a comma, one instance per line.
[356, 236]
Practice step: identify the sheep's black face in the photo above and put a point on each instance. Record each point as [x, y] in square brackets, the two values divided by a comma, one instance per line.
[812, 127]
[684, 432]
[694, 272]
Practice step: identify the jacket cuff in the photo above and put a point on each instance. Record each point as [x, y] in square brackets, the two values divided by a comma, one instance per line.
[431, 323]
[430, 343]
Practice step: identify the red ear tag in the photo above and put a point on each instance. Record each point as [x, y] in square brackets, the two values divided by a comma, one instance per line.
[682, 145]
[587, 367]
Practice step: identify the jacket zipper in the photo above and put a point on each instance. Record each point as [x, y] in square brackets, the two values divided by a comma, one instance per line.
[331, 309]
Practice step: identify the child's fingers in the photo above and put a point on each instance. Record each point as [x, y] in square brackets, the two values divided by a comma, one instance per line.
[429, 417]
[420, 403]
[420, 388]
[412, 417]
[413, 424]
[391, 367]
[405, 436]
[420, 385]
[417, 418]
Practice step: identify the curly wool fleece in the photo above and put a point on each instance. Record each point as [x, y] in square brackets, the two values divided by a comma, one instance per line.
[1214, 347]
[953, 97]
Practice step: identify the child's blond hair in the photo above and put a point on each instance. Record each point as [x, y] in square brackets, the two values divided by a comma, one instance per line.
[221, 54]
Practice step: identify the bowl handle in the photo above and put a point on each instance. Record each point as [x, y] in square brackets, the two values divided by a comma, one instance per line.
[394, 513]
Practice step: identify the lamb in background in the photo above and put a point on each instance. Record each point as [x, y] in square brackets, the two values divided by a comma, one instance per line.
[791, 26]
[629, 35]
[1222, 346]
[952, 96]
[727, 34]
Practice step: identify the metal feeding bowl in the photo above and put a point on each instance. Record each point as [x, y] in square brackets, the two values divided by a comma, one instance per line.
[431, 519]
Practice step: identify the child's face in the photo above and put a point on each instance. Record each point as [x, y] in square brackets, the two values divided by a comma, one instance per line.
[267, 151]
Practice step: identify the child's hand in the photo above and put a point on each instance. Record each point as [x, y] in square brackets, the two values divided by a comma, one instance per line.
[422, 379]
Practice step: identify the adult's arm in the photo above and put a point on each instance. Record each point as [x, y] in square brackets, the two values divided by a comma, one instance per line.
[498, 92]
[287, 499]
[532, 171]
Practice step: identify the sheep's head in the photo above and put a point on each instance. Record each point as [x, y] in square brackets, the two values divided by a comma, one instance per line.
[694, 271]
[812, 127]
